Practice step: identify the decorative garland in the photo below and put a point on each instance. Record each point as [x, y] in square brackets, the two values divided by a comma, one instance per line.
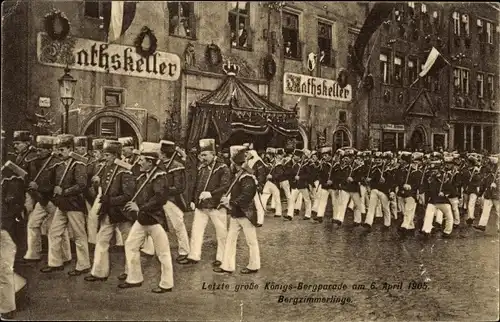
[145, 31]
[213, 55]
[342, 78]
[269, 67]
[50, 21]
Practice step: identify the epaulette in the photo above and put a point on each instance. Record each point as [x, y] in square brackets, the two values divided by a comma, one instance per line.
[78, 162]
[244, 175]
[55, 165]
[157, 174]
[123, 171]
[221, 166]
[176, 169]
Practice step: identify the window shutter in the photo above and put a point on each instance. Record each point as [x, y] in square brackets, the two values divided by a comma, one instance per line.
[301, 49]
[333, 58]
[193, 20]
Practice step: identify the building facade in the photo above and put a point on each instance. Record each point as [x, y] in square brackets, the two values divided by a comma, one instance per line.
[296, 52]
[445, 109]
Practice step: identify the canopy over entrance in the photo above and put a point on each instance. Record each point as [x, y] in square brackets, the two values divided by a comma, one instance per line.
[233, 107]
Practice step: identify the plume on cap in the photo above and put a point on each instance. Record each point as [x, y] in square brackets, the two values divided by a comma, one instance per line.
[126, 141]
[150, 149]
[493, 159]
[448, 159]
[307, 152]
[45, 141]
[207, 145]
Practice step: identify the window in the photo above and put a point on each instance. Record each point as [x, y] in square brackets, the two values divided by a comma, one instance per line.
[393, 141]
[427, 80]
[113, 97]
[488, 138]
[465, 24]
[181, 19]
[439, 141]
[239, 21]
[456, 80]
[480, 30]
[412, 70]
[340, 139]
[491, 88]
[92, 9]
[424, 8]
[489, 32]
[291, 35]
[456, 23]
[411, 5]
[480, 85]
[398, 70]
[109, 126]
[384, 68]
[465, 81]
[325, 43]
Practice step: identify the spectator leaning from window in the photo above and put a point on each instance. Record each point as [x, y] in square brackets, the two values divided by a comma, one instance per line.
[180, 24]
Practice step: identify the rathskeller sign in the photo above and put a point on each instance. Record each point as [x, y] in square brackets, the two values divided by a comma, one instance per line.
[91, 55]
[303, 85]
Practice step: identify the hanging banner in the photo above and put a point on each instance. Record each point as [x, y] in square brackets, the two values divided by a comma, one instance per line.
[303, 85]
[96, 56]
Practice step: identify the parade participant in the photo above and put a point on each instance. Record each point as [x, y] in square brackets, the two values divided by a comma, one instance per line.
[95, 167]
[212, 180]
[41, 187]
[97, 147]
[274, 176]
[226, 157]
[412, 176]
[176, 183]
[13, 181]
[364, 187]
[284, 183]
[471, 185]
[491, 194]
[131, 155]
[314, 186]
[70, 181]
[260, 170]
[239, 202]
[117, 185]
[351, 185]
[147, 208]
[325, 183]
[380, 190]
[342, 174]
[437, 190]
[300, 172]
[454, 196]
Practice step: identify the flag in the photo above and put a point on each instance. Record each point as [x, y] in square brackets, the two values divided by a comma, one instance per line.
[435, 62]
[379, 13]
[118, 16]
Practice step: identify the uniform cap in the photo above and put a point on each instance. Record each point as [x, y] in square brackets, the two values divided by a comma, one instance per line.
[22, 136]
[388, 155]
[249, 145]
[150, 149]
[325, 150]
[127, 141]
[280, 151]
[98, 144]
[307, 152]
[167, 146]
[417, 156]
[238, 153]
[112, 146]
[448, 159]
[81, 141]
[45, 141]
[65, 140]
[405, 155]
[298, 152]
[207, 145]
[271, 150]
[378, 154]
[493, 160]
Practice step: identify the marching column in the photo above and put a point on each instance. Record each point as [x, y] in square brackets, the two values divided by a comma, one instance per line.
[491, 194]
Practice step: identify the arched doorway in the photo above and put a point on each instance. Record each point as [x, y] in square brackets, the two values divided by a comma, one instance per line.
[418, 139]
[111, 124]
[341, 138]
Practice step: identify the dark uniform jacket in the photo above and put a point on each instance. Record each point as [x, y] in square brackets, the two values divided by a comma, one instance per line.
[304, 173]
[92, 168]
[217, 186]
[357, 175]
[151, 199]
[136, 169]
[414, 179]
[13, 199]
[73, 185]
[432, 190]
[277, 173]
[471, 181]
[120, 191]
[487, 190]
[176, 183]
[260, 171]
[242, 195]
[45, 181]
[24, 158]
[375, 182]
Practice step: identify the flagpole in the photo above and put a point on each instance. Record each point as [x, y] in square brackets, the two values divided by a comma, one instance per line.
[365, 72]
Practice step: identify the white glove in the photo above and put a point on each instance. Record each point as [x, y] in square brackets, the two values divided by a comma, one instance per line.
[192, 205]
[382, 180]
[269, 177]
[33, 185]
[392, 195]
[297, 178]
[205, 195]
[349, 179]
[441, 194]
[329, 182]
[224, 200]
[493, 185]
[407, 187]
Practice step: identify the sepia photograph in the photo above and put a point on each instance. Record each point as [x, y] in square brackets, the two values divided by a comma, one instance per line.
[250, 161]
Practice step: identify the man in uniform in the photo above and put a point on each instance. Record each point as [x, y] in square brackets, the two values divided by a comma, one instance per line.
[70, 181]
[351, 185]
[284, 183]
[299, 173]
[471, 185]
[117, 185]
[243, 217]
[212, 181]
[409, 182]
[490, 191]
[151, 221]
[325, 183]
[42, 187]
[176, 183]
[260, 171]
[271, 188]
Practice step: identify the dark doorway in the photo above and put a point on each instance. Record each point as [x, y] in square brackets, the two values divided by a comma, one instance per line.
[417, 140]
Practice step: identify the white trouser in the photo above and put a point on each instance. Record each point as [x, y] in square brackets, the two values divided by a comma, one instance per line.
[285, 185]
[133, 256]
[76, 220]
[36, 219]
[10, 282]
[365, 195]
[341, 205]
[307, 201]
[324, 194]
[100, 267]
[409, 207]
[316, 196]
[93, 219]
[200, 221]
[438, 216]
[358, 206]
[148, 246]
[250, 232]
[29, 203]
[470, 204]
[378, 197]
[430, 212]
[456, 212]
[485, 215]
[299, 201]
[271, 190]
[259, 207]
[176, 217]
